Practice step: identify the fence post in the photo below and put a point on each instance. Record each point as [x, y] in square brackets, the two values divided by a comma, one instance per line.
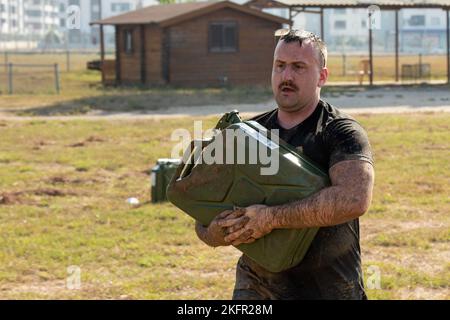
[344, 64]
[420, 66]
[68, 60]
[56, 78]
[10, 78]
[6, 60]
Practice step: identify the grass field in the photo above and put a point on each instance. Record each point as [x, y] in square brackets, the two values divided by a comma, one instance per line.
[63, 192]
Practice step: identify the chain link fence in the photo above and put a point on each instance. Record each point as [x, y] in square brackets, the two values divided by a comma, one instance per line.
[37, 72]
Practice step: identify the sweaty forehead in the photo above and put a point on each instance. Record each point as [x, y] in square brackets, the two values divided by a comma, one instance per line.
[292, 51]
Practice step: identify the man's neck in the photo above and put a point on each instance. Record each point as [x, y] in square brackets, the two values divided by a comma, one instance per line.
[289, 120]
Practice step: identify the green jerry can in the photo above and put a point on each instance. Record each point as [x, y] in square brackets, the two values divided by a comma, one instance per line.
[204, 189]
[160, 177]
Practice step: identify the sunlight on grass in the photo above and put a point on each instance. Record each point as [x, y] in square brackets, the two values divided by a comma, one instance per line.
[63, 198]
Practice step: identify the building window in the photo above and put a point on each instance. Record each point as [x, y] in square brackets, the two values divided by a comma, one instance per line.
[33, 13]
[435, 21]
[223, 37]
[120, 7]
[364, 24]
[417, 20]
[36, 26]
[125, 7]
[340, 24]
[128, 41]
[340, 11]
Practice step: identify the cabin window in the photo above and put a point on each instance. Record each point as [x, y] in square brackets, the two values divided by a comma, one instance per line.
[223, 37]
[128, 41]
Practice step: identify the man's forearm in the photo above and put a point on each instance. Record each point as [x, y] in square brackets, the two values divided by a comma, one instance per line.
[330, 206]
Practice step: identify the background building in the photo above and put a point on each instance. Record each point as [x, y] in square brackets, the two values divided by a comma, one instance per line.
[29, 24]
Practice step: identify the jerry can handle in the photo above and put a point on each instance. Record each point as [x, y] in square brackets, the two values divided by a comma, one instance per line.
[190, 158]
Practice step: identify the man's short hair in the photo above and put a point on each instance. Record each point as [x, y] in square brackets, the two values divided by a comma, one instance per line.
[291, 35]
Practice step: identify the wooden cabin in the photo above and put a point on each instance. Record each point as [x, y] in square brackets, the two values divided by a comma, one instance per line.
[193, 44]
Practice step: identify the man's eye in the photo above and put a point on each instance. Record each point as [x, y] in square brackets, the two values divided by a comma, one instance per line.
[279, 67]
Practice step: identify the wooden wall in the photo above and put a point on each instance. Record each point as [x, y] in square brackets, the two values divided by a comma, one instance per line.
[192, 65]
[129, 64]
[179, 54]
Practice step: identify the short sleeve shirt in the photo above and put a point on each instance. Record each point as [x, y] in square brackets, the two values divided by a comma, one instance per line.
[332, 266]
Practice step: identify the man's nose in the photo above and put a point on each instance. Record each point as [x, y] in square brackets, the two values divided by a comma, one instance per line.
[287, 74]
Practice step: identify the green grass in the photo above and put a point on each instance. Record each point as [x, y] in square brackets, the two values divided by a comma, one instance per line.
[64, 186]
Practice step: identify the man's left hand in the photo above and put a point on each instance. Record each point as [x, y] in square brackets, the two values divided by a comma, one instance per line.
[260, 223]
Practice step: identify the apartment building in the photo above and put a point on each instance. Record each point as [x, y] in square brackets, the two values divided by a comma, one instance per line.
[44, 23]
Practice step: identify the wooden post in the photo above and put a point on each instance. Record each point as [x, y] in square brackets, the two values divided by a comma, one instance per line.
[370, 51]
[291, 23]
[6, 61]
[10, 78]
[420, 66]
[448, 47]
[143, 67]
[68, 60]
[118, 49]
[322, 34]
[56, 78]
[396, 46]
[102, 53]
[166, 56]
[344, 64]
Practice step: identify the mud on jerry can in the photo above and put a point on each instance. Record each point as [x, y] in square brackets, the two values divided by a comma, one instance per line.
[160, 177]
[203, 190]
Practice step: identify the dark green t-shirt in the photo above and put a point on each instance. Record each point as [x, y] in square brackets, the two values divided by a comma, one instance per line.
[331, 268]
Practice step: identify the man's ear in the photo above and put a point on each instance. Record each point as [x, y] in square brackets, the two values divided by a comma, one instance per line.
[323, 77]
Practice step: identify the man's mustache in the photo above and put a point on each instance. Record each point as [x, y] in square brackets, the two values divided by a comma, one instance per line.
[288, 85]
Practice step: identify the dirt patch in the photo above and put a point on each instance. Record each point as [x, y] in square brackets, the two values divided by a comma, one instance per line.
[437, 148]
[10, 198]
[64, 180]
[95, 139]
[58, 179]
[77, 145]
[85, 142]
[38, 145]
[47, 287]
[50, 192]
[19, 197]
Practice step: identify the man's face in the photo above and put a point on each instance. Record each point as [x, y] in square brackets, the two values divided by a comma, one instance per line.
[296, 75]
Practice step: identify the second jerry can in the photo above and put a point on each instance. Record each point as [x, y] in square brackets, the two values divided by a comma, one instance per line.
[160, 177]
